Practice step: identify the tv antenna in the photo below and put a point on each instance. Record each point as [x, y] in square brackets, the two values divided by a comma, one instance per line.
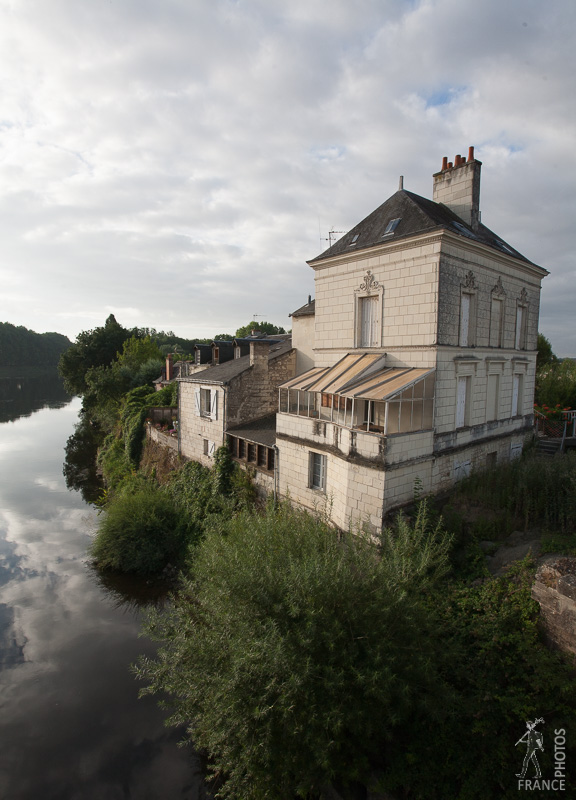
[333, 235]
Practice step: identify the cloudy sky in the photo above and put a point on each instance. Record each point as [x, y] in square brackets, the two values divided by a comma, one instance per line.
[177, 162]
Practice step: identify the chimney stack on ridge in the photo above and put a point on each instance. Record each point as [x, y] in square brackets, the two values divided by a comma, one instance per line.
[458, 187]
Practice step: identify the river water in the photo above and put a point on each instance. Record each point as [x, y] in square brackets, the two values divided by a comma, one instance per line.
[71, 724]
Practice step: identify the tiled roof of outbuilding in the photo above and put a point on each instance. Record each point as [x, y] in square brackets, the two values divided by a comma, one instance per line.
[416, 215]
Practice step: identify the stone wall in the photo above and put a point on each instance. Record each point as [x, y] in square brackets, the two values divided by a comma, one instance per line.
[254, 393]
[555, 590]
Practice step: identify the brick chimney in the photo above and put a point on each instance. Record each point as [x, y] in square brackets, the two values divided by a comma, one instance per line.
[169, 368]
[457, 186]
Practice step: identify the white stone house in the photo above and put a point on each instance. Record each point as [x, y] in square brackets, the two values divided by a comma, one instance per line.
[236, 402]
[423, 336]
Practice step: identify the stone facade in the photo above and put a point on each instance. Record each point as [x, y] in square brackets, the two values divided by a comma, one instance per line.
[441, 293]
[230, 394]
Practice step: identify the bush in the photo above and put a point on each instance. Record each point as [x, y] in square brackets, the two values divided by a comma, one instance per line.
[535, 491]
[502, 675]
[141, 532]
[292, 657]
[114, 461]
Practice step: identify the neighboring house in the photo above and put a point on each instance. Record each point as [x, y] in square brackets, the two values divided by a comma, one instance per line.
[303, 335]
[226, 398]
[424, 349]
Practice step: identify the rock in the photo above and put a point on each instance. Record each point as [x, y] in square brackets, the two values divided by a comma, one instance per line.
[555, 590]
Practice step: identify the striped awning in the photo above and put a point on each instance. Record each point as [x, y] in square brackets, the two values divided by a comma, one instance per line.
[360, 376]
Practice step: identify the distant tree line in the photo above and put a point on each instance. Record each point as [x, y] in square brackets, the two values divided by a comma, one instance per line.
[20, 347]
[102, 347]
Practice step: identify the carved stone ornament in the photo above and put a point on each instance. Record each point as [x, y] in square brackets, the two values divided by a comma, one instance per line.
[470, 281]
[498, 290]
[369, 283]
[524, 297]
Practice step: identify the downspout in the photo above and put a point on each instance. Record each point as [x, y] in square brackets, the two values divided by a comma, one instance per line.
[179, 419]
[276, 474]
[224, 425]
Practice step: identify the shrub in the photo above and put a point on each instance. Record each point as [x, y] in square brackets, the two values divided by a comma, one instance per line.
[140, 532]
[502, 675]
[292, 657]
[536, 491]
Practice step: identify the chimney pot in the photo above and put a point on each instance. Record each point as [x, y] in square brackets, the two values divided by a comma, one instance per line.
[445, 163]
[309, 299]
[470, 154]
[450, 165]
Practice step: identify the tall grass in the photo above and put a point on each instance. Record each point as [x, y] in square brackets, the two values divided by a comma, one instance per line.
[537, 492]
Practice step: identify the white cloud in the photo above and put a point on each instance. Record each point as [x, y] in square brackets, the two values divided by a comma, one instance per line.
[183, 160]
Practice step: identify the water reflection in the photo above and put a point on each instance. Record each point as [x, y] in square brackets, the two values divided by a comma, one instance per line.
[80, 460]
[130, 592]
[23, 391]
[71, 727]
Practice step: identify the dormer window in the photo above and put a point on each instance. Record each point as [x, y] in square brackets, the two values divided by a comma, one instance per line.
[391, 227]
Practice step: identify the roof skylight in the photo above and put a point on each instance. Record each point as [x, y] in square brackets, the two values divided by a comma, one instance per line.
[354, 239]
[463, 229]
[391, 227]
[505, 247]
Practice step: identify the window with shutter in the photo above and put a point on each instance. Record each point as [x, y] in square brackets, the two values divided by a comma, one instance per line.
[368, 323]
[462, 402]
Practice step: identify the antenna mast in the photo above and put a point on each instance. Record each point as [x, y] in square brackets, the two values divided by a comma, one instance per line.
[333, 236]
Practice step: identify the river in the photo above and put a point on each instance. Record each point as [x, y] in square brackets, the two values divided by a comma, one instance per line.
[71, 724]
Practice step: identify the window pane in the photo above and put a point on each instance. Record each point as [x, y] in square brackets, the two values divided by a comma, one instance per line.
[393, 416]
[428, 414]
[417, 415]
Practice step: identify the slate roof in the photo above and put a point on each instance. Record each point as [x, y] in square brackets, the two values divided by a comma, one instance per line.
[308, 309]
[224, 373]
[260, 431]
[417, 215]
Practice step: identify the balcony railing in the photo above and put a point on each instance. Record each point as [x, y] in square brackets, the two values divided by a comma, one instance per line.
[556, 428]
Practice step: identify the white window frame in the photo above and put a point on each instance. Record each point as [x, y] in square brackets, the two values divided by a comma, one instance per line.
[517, 394]
[496, 321]
[467, 331]
[317, 478]
[209, 448]
[492, 396]
[463, 401]
[369, 288]
[521, 326]
[206, 402]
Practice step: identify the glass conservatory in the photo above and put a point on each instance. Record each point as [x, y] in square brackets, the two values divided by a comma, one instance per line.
[360, 393]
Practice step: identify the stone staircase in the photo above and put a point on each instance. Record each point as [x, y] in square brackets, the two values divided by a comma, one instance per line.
[548, 448]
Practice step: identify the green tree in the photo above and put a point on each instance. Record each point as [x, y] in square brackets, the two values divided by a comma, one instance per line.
[263, 327]
[291, 656]
[137, 351]
[545, 357]
[556, 384]
[20, 347]
[95, 348]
